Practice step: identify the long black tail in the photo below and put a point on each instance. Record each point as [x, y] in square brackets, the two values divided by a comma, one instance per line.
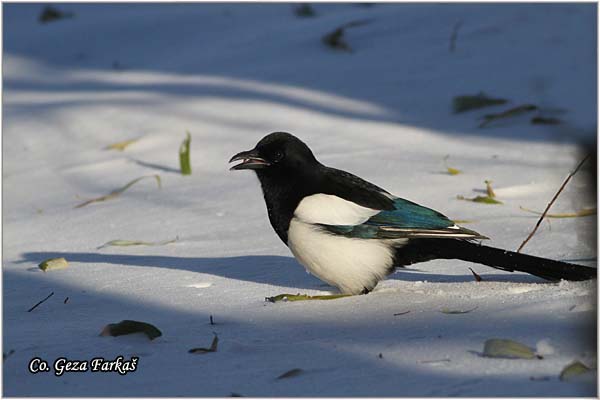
[429, 249]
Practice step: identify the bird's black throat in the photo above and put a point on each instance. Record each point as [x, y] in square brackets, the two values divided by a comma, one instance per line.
[283, 192]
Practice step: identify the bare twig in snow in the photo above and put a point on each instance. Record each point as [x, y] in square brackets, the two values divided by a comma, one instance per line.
[40, 302]
[476, 275]
[552, 202]
[335, 38]
[454, 35]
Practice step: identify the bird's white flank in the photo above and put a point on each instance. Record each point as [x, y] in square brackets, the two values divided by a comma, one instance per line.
[350, 264]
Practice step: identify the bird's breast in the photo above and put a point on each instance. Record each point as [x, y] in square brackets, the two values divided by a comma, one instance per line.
[349, 264]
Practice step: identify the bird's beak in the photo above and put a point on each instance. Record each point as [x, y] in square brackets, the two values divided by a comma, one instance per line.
[250, 160]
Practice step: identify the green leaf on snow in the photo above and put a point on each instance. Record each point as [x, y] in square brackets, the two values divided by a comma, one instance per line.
[53, 263]
[506, 348]
[120, 242]
[184, 155]
[211, 349]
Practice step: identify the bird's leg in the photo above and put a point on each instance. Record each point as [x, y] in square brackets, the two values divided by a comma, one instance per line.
[302, 297]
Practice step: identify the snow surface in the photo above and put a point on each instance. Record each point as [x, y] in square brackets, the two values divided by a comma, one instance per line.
[230, 74]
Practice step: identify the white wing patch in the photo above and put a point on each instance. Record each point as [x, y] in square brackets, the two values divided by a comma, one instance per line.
[332, 210]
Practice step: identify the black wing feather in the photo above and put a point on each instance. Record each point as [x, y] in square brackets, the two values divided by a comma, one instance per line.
[352, 188]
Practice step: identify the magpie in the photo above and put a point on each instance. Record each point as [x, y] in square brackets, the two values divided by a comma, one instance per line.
[351, 233]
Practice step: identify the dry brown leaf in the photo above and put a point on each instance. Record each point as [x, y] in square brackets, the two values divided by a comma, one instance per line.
[127, 327]
[118, 192]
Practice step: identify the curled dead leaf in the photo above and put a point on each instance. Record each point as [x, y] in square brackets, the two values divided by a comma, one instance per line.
[127, 327]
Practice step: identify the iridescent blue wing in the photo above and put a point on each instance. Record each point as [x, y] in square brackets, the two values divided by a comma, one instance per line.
[406, 220]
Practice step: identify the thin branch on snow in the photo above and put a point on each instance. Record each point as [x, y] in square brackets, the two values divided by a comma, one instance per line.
[40, 302]
[454, 36]
[552, 202]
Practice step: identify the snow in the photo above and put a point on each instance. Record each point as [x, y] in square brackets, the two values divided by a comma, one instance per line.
[230, 74]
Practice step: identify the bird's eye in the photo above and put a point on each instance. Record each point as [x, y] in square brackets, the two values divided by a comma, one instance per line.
[278, 156]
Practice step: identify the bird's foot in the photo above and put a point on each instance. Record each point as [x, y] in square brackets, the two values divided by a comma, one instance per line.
[302, 297]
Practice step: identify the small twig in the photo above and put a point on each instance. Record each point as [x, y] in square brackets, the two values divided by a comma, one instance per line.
[211, 320]
[40, 302]
[476, 275]
[454, 35]
[443, 360]
[512, 112]
[291, 373]
[488, 189]
[552, 202]
[10, 353]
[335, 38]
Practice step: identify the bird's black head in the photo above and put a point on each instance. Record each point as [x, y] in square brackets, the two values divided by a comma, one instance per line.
[278, 153]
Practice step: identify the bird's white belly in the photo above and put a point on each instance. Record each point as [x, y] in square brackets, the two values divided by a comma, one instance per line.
[350, 264]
